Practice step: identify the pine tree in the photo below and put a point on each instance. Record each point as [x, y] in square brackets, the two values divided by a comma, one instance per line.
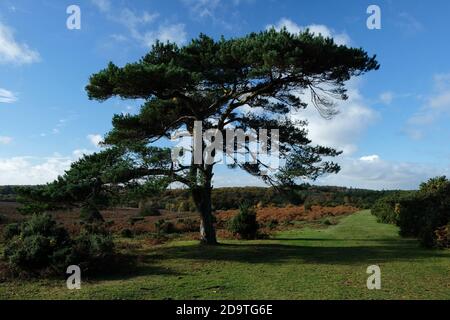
[210, 81]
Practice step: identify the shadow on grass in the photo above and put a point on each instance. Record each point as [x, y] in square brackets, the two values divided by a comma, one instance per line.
[128, 266]
[396, 241]
[279, 253]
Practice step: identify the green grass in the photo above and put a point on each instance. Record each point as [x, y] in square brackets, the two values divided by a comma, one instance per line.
[298, 264]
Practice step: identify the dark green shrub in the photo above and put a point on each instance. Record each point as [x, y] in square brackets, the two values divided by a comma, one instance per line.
[427, 213]
[39, 246]
[126, 233]
[11, 230]
[385, 209]
[329, 222]
[421, 214]
[412, 214]
[92, 252]
[244, 223]
[169, 227]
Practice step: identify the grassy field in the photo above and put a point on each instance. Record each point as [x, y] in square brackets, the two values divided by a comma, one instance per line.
[298, 264]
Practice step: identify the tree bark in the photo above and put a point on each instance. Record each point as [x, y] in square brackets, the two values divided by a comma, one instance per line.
[202, 198]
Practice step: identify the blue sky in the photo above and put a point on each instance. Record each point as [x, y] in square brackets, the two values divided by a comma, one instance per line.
[393, 129]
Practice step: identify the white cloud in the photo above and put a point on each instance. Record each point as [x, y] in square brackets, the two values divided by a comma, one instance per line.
[25, 171]
[292, 27]
[95, 139]
[172, 33]
[371, 158]
[7, 96]
[33, 170]
[13, 52]
[5, 140]
[344, 130]
[372, 172]
[78, 153]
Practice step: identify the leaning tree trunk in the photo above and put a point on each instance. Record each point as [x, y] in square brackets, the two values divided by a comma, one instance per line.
[202, 198]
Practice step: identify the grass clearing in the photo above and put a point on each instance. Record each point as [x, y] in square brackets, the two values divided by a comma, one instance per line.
[307, 263]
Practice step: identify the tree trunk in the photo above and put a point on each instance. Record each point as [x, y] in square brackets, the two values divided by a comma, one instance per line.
[207, 231]
[202, 198]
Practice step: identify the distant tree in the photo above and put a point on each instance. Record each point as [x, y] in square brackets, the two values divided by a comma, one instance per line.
[209, 81]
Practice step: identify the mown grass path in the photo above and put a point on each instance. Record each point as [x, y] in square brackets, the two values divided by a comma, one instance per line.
[299, 264]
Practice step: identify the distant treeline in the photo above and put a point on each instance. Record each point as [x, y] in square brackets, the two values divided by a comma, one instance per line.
[232, 197]
[7, 193]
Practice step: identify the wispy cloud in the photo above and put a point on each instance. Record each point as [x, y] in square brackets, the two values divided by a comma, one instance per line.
[102, 5]
[203, 8]
[408, 23]
[57, 128]
[220, 12]
[142, 26]
[317, 29]
[5, 140]
[7, 96]
[436, 106]
[14, 52]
